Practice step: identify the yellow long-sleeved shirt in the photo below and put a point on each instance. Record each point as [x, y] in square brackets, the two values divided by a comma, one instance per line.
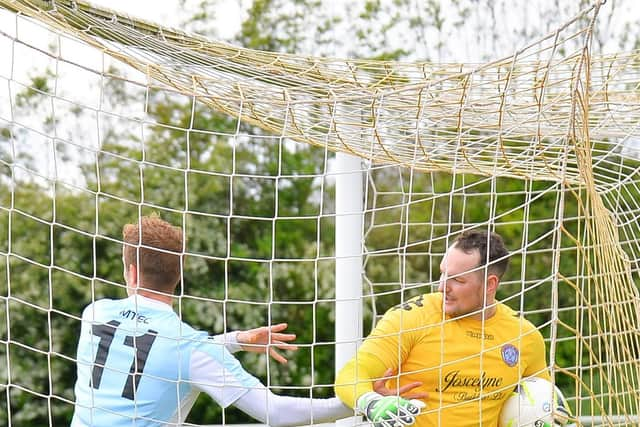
[467, 367]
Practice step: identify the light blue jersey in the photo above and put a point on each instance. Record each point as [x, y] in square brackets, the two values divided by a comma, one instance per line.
[139, 365]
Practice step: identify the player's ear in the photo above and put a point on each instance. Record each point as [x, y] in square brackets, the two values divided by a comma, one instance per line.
[132, 276]
[492, 283]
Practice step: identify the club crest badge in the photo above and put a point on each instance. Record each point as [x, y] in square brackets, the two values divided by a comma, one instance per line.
[510, 355]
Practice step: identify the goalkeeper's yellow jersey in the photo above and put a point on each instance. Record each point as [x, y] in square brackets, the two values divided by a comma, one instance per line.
[467, 367]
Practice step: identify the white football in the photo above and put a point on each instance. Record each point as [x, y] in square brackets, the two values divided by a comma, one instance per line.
[534, 403]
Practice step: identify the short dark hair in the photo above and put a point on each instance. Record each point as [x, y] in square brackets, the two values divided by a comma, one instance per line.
[491, 247]
[160, 269]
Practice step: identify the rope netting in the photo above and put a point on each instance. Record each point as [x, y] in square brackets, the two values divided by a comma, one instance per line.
[551, 112]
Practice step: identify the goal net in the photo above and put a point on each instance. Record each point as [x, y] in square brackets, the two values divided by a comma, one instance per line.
[104, 118]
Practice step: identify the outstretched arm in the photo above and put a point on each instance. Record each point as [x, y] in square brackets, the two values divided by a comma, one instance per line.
[259, 340]
[284, 411]
[267, 339]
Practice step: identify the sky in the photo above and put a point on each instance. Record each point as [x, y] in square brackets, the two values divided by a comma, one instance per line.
[166, 12]
[525, 17]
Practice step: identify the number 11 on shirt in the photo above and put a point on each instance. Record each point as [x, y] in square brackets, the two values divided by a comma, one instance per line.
[141, 344]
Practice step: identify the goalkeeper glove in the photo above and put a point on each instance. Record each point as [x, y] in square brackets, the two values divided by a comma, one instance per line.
[388, 411]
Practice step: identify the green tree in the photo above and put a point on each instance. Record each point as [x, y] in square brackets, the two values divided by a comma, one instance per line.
[256, 213]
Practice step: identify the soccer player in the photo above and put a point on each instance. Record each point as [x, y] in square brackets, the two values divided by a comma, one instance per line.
[467, 349]
[139, 365]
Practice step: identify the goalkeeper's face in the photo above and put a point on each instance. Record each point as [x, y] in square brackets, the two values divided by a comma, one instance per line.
[465, 289]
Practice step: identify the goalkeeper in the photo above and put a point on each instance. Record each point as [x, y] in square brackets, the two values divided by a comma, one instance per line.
[139, 364]
[467, 350]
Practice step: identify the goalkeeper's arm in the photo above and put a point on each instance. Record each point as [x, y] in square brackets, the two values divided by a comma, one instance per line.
[388, 411]
[367, 393]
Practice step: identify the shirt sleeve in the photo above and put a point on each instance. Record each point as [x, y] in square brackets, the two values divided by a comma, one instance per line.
[229, 340]
[536, 360]
[386, 347]
[283, 411]
[215, 371]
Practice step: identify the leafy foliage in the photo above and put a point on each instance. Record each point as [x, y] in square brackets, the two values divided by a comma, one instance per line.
[255, 218]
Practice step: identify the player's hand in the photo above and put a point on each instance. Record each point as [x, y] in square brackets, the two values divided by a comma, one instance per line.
[389, 411]
[380, 387]
[267, 339]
